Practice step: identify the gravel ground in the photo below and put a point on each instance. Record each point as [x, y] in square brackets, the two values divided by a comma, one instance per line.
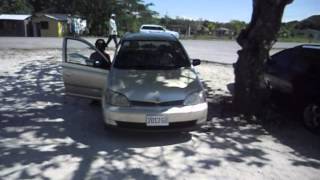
[46, 135]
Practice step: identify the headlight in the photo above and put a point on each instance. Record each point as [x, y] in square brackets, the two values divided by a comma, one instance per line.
[116, 99]
[195, 98]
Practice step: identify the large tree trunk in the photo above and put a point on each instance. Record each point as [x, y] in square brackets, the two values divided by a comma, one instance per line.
[256, 41]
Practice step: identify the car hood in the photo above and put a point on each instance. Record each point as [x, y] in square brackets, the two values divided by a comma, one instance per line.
[154, 85]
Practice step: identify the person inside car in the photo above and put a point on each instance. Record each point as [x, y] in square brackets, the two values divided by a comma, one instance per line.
[99, 60]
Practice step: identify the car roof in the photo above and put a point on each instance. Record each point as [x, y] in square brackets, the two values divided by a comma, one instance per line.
[149, 37]
[311, 46]
[307, 46]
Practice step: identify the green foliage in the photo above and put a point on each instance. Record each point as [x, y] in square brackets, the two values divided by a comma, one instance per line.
[312, 22]
[52, 6]
[307, 30]
[237, 26]
[212, 26]
[131, 14]
[14, 6]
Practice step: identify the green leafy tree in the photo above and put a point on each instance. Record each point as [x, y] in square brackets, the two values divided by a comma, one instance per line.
[212, 26]
[237, 26]
[15, 7]
[130, 13]
[51, 6]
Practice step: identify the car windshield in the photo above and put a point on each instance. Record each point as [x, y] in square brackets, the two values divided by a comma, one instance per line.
[151, 55]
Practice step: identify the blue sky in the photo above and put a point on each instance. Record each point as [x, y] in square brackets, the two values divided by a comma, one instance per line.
[226, 10]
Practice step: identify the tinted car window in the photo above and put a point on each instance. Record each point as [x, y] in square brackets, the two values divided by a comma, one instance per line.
[280, 63]
[312, 55]
[306, 73]
[311, 58]
[151, 55]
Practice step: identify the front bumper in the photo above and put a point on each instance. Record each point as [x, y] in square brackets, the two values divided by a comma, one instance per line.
[182, 117]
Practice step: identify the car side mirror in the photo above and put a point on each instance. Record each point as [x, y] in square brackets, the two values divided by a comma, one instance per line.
[196, 62]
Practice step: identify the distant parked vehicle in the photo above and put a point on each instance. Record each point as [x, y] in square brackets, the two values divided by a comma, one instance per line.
[152, 28]
[296, 72]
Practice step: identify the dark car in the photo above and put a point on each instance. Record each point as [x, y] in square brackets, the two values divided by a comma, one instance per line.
[295, 73]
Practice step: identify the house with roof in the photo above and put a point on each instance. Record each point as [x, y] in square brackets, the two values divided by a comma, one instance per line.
[222, 31]
[51, 25]
[41, 25]
[18, 25]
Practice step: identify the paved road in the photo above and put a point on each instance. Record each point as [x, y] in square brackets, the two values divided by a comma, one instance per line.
[218, 51]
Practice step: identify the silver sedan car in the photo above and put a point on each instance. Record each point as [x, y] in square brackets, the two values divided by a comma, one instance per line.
[151, 84]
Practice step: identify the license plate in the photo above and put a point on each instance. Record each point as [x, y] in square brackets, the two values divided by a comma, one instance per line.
[156, 120]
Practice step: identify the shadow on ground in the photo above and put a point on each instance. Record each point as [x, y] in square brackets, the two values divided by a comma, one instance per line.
[43, 131]
[280, 122]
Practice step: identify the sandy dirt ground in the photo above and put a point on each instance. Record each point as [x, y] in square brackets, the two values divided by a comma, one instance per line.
[46, 135]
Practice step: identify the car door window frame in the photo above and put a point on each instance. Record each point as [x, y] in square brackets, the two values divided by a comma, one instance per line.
[65, 49]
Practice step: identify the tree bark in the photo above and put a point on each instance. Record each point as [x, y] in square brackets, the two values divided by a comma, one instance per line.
[256, 41]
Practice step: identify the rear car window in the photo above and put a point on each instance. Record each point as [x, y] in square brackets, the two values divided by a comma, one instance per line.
[312, 58]
[151, 55]
[312, 54]
[284, 59]
[152, 28]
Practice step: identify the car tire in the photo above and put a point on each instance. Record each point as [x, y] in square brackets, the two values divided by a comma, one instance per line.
[311, 117]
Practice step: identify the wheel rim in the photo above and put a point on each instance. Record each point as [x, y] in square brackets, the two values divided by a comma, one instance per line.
[312, 116]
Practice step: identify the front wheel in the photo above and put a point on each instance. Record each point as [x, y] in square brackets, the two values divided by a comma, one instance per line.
[311, 117]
